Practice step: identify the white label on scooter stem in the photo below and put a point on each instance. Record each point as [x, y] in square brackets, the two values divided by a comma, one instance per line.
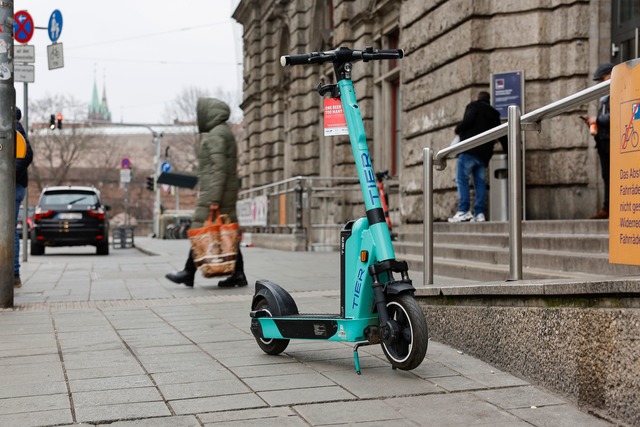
[335, 123]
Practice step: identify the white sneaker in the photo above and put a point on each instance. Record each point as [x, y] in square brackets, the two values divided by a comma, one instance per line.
[479, 218]
[461, 217]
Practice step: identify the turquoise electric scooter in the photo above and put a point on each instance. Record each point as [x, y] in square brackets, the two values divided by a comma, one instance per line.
[377, 304]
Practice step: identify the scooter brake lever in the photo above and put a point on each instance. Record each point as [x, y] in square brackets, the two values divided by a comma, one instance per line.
[330, 88]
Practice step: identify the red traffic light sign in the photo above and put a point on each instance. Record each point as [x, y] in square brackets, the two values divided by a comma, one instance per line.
[22, 26]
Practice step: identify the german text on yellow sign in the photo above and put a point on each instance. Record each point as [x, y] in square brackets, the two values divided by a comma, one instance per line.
[624, 205]
[21, 146]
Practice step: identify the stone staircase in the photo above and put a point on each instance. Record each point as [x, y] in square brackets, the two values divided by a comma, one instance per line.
[558, 249]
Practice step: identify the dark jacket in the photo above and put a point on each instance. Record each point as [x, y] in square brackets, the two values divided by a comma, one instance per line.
[603, 121]
[22, 176]
[479, 116]
[217, 161]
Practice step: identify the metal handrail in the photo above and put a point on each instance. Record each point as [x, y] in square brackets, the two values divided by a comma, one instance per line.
[297, 178]
[548, 111]
[513, 128]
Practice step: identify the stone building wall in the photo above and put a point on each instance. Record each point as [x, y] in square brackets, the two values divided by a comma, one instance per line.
[452, 47]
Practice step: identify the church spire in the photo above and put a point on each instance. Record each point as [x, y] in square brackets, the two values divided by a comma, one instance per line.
[99, 109]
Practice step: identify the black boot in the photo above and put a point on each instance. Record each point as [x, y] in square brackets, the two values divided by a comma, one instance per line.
[237, 279]
[185, 276]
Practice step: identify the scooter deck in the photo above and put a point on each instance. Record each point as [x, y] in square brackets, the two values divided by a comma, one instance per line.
[333, 327]
[312, 316]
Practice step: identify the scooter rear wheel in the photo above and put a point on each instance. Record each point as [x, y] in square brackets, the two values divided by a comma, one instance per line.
[409, 349]
[270, 345]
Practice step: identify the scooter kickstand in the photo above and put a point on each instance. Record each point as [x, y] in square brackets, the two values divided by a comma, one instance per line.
[356, 357]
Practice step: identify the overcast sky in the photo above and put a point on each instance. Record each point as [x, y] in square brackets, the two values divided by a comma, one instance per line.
[145, 52]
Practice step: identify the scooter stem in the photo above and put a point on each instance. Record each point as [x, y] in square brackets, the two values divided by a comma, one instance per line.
[368, 185]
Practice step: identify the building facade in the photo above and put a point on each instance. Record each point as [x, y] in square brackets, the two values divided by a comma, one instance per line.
[452, 47]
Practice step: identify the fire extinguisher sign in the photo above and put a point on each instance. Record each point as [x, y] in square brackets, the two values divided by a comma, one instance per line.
[334, 121]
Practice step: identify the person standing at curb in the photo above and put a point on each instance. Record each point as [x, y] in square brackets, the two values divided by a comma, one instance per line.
[22, 182]
[479, 116]
[217, 180]
[602, 122]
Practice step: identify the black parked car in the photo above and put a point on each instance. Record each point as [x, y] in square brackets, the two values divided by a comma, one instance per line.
[70, 216]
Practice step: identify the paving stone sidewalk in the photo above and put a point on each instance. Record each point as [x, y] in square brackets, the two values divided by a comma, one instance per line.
[107, 340]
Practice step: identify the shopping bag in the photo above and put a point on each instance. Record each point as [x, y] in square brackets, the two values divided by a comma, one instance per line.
[215, 245]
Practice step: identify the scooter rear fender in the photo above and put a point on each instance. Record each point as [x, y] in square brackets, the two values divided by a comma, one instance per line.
[279, 300]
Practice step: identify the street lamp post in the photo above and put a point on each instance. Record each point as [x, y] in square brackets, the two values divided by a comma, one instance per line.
[156, 189]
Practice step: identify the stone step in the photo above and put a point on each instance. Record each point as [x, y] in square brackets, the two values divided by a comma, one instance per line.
[410, 232]
[563, 262]
[480, 251]
[483, 272]
[554, 242]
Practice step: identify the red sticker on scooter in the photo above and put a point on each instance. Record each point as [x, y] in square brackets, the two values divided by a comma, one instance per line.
[335, 122]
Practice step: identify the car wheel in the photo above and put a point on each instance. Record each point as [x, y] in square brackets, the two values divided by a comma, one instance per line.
[36, 248]
[102, 248]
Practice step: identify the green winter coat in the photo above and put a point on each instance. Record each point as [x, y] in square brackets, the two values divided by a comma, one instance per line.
[217, 161]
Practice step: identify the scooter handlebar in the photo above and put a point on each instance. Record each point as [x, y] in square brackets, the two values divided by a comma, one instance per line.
[342, 54]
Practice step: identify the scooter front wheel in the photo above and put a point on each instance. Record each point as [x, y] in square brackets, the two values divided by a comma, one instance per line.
[269, 345]
[409, 349]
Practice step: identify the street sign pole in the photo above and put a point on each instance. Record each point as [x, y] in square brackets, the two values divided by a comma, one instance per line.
[156, 187]
[24, 72]
[25, 202]
[7, 158]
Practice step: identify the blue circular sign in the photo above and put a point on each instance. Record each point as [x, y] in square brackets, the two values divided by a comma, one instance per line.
[165, 166]
[55, 25]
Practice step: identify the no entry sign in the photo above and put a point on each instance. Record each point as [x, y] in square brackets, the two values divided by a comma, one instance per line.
[22, 26]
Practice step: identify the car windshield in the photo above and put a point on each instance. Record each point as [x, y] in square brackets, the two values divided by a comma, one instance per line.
[68, 198]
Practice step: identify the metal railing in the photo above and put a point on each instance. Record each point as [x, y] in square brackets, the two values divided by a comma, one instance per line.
[314, 206]
[513, 128]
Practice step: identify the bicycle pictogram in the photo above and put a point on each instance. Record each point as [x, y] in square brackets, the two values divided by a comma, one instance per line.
[630, 134]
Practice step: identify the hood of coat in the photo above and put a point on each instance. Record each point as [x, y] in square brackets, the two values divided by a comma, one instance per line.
[210, 113]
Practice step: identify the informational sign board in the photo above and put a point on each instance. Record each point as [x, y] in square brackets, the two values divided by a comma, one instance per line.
[24, 73]
[125, 176]
[507, 89]
[55, 26]
[22, 26]
[55, 56]
[624, 203]
[335, 123]
[25, 53]
[253, 211]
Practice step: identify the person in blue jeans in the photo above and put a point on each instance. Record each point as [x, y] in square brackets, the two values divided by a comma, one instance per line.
[22, 181]
[479, 116]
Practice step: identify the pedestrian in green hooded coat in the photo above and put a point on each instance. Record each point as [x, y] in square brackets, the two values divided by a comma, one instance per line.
[217, 180]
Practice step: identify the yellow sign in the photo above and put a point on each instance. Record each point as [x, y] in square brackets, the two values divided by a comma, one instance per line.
[21, 146]
[624, 205]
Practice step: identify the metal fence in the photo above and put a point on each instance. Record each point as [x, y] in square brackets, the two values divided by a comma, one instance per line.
[315, 207]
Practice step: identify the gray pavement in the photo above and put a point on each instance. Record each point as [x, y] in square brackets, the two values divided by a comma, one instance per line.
[98, 340]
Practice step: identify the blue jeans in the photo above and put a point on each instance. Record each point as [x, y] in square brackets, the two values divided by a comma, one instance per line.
[20, 191]
[470, 165]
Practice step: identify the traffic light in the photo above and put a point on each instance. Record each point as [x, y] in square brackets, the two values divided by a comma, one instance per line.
[150, 185]
[59, 117]
[52, 122]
